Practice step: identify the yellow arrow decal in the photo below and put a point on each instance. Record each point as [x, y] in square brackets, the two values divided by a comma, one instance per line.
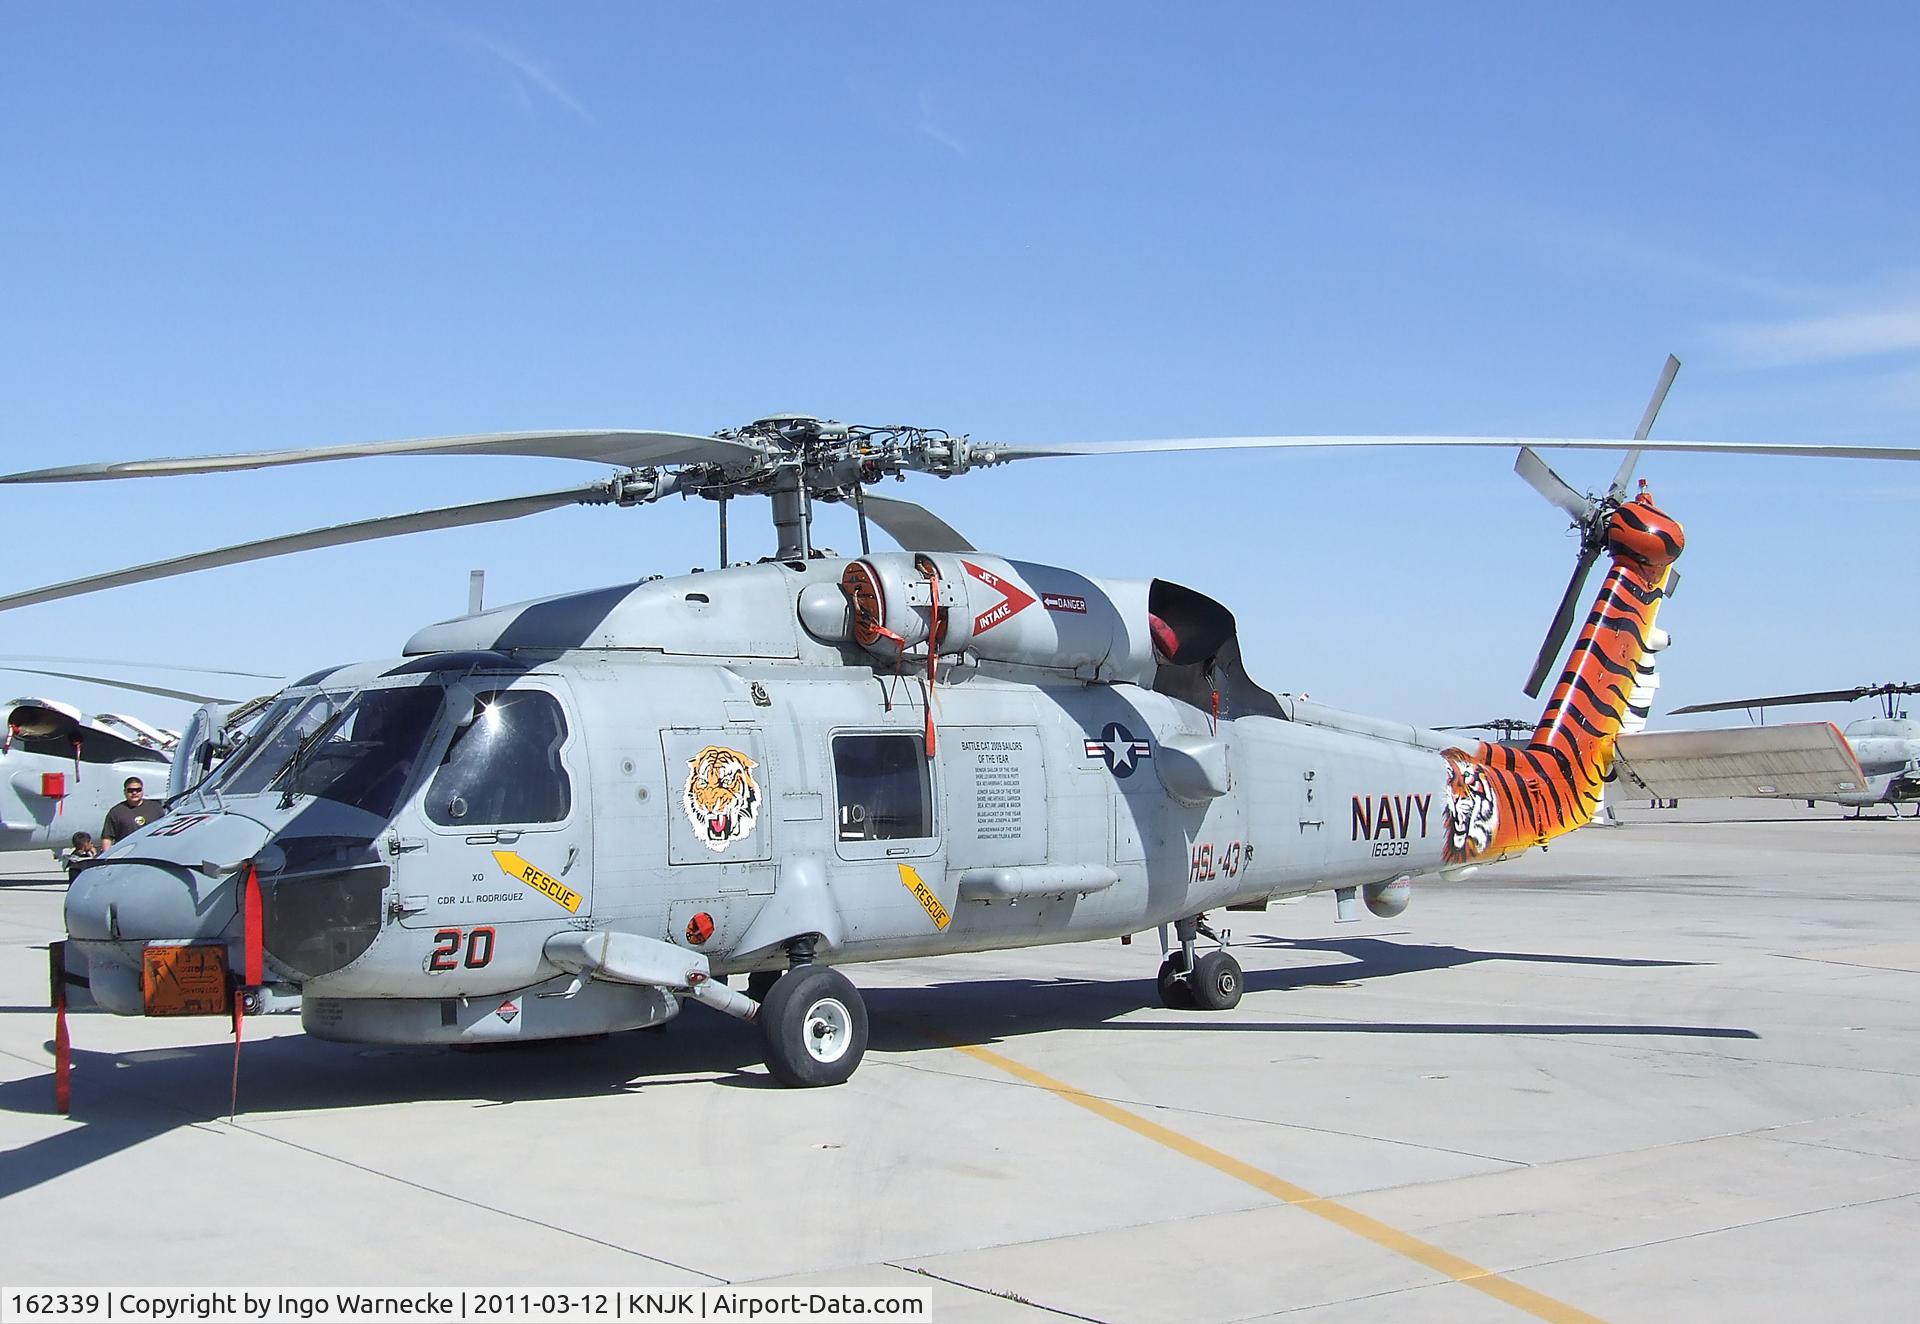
[544, 883]
[924, 895]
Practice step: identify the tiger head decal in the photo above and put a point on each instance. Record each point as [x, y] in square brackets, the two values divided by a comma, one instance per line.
[1473, 815]
[721, 799]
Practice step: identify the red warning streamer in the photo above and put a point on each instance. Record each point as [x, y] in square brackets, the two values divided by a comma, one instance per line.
[253, 944]
[62, 1046]
[933, 645]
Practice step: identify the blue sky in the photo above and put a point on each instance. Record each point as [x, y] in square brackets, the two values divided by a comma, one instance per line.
[230, 227]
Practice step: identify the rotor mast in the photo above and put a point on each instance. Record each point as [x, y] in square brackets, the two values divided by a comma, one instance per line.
[804, 458]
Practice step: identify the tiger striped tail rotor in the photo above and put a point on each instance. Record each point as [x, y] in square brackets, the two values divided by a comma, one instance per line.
[1590, 515]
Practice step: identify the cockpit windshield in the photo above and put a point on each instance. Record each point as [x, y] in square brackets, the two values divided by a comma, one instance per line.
[286, 725]
[364, 755]
[501, 762]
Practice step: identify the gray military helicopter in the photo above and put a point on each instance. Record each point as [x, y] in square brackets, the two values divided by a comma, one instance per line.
[568, 816]
[1887, 746]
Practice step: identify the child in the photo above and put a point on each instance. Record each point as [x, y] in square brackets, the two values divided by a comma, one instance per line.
[79, 852]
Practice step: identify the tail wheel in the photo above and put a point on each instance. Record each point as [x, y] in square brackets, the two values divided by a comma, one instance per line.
[1175, 993]
[1216, 982]
[813, 1027]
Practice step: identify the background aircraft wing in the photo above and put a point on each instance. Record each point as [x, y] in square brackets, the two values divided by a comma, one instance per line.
[1802, 760]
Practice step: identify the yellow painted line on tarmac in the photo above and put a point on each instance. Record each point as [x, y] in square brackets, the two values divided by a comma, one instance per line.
[1464, 1272]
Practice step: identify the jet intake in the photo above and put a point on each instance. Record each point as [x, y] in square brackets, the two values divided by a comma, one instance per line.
[999, 611]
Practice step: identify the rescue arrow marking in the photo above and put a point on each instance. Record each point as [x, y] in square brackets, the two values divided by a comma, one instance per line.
[930, 903]
[544, 883]
[1013, 601]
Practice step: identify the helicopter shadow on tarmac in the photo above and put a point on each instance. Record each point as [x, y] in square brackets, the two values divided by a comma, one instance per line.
[980, 1012]
[125, 1099]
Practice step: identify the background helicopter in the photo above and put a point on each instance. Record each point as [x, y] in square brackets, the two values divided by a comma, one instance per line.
[61, 768]
[565, 816]
[1887, 747]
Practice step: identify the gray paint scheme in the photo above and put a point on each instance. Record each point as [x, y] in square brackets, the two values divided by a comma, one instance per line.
[1206, 815]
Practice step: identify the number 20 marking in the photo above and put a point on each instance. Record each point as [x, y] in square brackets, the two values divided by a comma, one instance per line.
[447, 945]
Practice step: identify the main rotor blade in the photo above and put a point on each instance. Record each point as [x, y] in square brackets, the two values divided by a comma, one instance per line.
[1624, 474]
[1781, 700]
[627, 449]
[337, 535]
[1551, 485]
[1014, 450]
[159, 691]
[1562, 621]
[913, 526]
[145, 666]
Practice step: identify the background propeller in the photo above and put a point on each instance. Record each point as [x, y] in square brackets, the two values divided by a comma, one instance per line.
[1589, 515]
[138, 687]
[1888, 693]
[1506, 728]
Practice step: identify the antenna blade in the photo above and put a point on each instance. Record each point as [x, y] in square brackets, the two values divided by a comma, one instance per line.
[1562, 623]
[913, 526]
[337, 535]
[1550, 485]
[159, 691]
[626, 449]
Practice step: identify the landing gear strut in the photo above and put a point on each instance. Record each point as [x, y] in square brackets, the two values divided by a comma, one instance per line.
[1212, 982]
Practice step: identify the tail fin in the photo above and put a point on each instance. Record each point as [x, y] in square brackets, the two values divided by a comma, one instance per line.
[1502, 798]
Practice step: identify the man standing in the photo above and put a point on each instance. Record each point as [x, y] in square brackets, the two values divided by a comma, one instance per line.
[130, 815]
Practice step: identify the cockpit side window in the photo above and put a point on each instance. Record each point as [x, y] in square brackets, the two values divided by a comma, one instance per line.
[503, 765]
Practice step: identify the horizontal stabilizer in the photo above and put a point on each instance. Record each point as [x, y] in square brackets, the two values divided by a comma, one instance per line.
[1796, 761]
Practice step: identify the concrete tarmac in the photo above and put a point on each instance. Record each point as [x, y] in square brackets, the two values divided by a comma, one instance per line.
[1659, 1072]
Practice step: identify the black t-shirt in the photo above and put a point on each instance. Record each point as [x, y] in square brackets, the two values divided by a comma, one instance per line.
[123, 820]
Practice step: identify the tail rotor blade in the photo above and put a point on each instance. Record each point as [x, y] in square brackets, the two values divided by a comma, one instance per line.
[1550, 485]
[1562, 622]
[1660, 389]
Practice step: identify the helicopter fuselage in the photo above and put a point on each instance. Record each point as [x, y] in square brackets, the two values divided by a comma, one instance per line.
[1889, 752]
[714, 766]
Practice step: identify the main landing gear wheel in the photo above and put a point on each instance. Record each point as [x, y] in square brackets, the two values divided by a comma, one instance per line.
[1175, 995]
[813, 1027]
[1216, 982]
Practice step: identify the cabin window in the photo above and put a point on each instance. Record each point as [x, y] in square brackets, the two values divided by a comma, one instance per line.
[883, 788]
[503, 765]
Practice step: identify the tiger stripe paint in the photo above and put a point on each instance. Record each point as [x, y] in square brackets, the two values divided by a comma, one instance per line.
[1502, 799]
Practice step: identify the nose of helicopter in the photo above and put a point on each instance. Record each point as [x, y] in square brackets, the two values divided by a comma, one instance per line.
[177, 887]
